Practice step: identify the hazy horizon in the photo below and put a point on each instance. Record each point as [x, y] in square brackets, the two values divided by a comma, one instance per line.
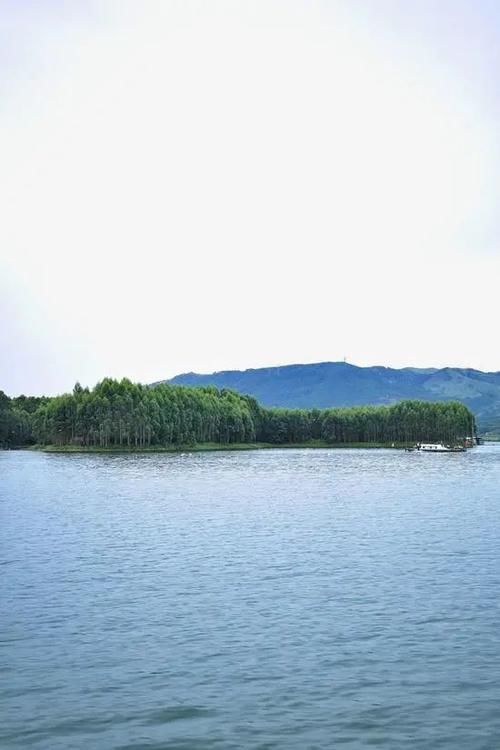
[194, 187]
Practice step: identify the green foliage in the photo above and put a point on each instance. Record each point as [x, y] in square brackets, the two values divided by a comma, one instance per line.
[123, 414]
[15, 423]
[405, 422]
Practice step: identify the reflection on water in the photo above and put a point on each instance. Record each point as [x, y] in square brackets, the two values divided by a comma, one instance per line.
[273, 599]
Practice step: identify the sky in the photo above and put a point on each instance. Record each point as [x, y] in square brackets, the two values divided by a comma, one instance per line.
[192, 185]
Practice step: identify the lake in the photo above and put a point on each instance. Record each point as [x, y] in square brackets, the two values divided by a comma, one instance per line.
[294, 599]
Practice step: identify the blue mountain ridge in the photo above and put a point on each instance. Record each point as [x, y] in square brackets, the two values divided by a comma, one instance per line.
[341, 384]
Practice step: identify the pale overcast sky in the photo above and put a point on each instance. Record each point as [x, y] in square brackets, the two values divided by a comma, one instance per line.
[214, 185]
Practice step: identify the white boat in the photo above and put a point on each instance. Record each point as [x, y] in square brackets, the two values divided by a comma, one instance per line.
[439, 448]
[434, 447]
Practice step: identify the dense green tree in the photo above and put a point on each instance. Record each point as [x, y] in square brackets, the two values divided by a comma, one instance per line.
[16, 416]
[125, 414]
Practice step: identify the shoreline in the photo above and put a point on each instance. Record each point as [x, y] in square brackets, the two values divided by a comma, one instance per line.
[213, 447]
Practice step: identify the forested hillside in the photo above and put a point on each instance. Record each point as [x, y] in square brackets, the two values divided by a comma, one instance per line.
[340, 384]
[123, 414]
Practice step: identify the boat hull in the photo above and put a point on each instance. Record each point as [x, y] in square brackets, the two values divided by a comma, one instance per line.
[440, 449]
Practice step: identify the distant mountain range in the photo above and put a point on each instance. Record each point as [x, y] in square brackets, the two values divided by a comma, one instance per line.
[341, 384]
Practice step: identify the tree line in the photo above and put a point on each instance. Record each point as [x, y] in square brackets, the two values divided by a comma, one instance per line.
[125, 414]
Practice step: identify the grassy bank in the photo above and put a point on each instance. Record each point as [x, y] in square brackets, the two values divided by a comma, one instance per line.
[199, 447]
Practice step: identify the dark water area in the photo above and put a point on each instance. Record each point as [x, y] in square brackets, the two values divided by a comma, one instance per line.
[273, 599]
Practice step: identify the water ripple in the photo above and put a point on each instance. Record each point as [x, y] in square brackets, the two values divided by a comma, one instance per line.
[250, 601]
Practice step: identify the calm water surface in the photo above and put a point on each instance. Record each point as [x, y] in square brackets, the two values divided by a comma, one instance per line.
[274, 599]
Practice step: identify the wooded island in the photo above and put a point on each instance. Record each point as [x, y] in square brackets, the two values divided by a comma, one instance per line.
[126, 415]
